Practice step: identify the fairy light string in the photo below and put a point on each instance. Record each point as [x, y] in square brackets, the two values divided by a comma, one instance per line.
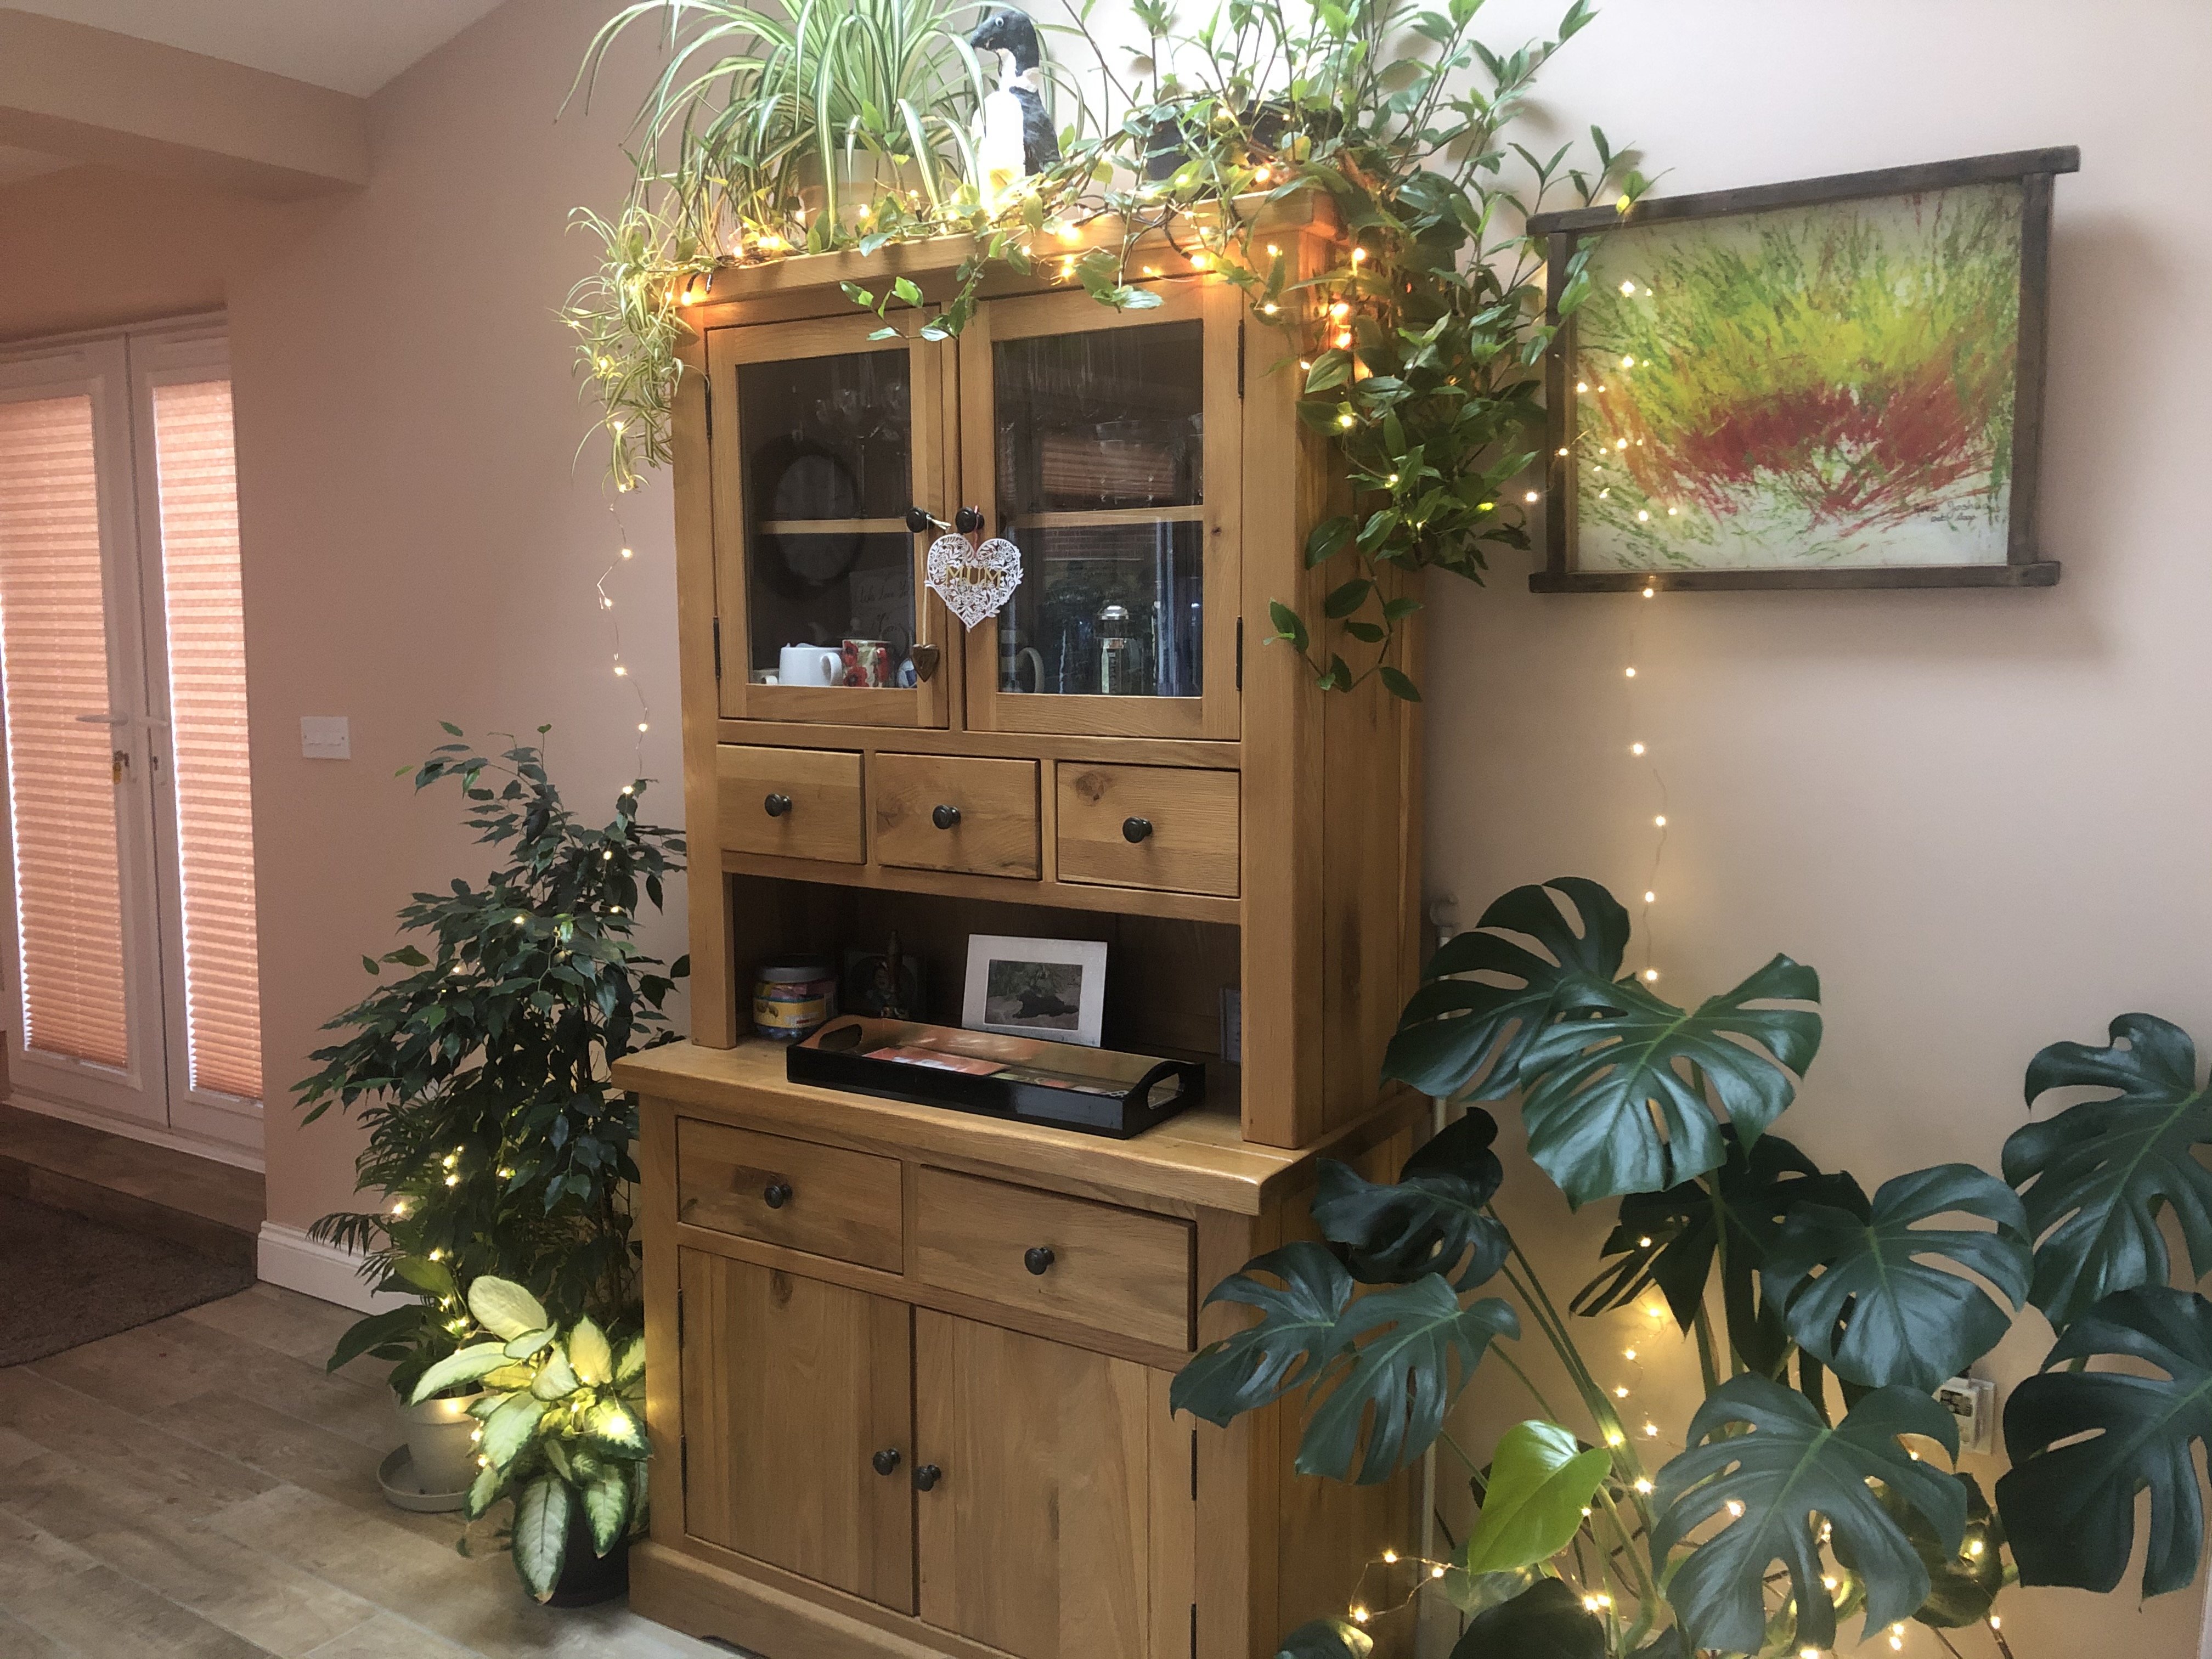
[625, 553]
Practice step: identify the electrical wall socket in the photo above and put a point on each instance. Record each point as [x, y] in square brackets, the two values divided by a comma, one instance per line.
[325, 737]
[1974, 1401]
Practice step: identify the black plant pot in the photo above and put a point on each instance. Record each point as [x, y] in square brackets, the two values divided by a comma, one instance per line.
[587, 1579]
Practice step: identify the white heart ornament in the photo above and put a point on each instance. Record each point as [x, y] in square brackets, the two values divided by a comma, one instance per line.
[975, 582]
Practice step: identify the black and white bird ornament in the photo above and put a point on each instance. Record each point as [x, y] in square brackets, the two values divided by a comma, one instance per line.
[1016, 133]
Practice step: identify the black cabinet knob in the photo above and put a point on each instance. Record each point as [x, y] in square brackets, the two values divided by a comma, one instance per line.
[968, 521]
[1037, 1258]
[776, 1194]
[944, 817]
[886, 1459]
[919, 521]
[1135, 830]
[776, 806]
[927, 1477]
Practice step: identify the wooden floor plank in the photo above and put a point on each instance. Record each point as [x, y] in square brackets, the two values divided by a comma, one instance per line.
[19, 1641]
[200, 1488]
[96, 1436]
[265, 1601]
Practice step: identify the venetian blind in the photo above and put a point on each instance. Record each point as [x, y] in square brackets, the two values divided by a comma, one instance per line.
[53, 668]
[197, 478]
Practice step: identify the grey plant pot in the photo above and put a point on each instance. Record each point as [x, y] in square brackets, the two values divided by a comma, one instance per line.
[441, 1444]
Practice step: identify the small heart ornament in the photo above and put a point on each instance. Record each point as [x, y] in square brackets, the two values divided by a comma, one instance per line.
[975, 582]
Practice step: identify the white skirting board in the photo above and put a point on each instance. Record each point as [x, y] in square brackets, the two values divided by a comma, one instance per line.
[286, 1256]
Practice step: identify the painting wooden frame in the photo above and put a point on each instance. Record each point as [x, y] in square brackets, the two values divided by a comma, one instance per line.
[1565, 233]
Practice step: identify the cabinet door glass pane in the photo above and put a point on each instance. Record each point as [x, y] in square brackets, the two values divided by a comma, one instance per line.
[1101, 479]
[826, 444]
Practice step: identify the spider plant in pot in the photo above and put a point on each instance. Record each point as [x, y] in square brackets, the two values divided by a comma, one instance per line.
[769, 130]
[560, 1429]
[496, 1143]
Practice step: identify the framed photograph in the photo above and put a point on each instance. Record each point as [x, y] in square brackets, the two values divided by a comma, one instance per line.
[1053, 988]
[1836, 383]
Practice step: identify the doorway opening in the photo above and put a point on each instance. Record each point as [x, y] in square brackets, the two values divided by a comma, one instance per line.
[130, 951]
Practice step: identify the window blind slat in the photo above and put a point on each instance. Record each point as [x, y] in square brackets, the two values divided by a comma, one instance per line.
[53, 668]
[197, 486]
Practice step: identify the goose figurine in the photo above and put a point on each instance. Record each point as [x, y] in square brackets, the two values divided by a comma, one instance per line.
[1016, 133]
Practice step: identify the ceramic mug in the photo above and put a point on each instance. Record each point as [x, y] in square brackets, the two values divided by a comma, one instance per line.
[809, 665]
[869, 662]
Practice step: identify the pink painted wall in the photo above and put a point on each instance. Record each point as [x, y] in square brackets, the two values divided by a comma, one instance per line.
[1979, 815]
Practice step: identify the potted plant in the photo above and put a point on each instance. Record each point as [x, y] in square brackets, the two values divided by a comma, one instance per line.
[1418, 354]
[1813, 1486]
[560, 1427]
[497, 1144]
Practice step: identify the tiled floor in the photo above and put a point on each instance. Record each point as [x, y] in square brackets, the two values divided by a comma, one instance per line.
[200, 1488]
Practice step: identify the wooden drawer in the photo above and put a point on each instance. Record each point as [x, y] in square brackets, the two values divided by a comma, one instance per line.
[1183, 821]
[1120, 1270]
[824, 1199]
[792, 803]
[989, 808]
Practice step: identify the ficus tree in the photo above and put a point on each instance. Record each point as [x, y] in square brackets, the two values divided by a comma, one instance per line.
[1813, 1487]
[497, 1144]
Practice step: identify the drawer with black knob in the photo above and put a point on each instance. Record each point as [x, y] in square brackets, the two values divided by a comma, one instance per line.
[1173, 829]
[956, 813]
[1125, 1271]
[826, 1200]
[790, 803]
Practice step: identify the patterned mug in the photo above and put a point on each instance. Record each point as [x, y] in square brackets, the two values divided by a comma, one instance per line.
[869, 662]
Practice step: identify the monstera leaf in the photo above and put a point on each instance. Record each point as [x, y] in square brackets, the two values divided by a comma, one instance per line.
[2094, 1176]
[1430, 1220]
[1669, 1239]
[2070, 1508]
[1540, 1481]
[1545, 1621]
[1327, 1638]
[1789, 1474]
[1964, 1582]
[1901, 1318]
[1592, 1083]
[1451, 1025]
[1406, 1351]
[1293, 1342]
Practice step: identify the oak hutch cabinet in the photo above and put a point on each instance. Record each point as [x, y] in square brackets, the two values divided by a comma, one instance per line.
[909, 1366]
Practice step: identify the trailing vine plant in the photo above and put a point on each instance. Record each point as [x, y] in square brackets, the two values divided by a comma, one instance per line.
[1419, 347]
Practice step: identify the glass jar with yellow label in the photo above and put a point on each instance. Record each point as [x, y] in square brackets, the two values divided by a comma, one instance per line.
[793, 996]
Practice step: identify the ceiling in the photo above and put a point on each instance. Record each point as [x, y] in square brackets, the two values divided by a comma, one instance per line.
[349, 45]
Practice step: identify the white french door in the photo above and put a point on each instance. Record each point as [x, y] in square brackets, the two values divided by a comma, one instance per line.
[130, 956]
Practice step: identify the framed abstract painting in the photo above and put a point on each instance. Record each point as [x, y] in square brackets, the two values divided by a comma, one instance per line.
[1836, 383]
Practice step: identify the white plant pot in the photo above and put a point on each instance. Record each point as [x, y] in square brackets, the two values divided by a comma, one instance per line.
[440, 1442]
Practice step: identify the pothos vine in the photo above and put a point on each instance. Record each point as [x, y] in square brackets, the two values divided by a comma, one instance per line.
[1419, 347]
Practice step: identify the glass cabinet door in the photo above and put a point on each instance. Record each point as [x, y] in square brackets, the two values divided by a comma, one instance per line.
[1104, 446]
[822, 440]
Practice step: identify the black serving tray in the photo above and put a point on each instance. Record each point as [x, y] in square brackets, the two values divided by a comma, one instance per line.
[1124, 1094]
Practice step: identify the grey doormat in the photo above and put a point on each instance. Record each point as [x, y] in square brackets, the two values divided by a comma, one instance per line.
[66, 1279]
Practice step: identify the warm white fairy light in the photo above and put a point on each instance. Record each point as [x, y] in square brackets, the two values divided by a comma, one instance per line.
[624, 554]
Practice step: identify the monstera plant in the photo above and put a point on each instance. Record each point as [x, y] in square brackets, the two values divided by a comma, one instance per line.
[1814, 1486]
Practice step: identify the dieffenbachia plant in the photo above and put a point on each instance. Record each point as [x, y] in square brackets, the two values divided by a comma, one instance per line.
[560, 1426]
[1814, 1486]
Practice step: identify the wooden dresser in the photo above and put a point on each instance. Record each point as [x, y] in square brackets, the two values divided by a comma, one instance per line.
[910, 1367]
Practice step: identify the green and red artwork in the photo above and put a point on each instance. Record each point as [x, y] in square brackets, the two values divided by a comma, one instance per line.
[1807, 388]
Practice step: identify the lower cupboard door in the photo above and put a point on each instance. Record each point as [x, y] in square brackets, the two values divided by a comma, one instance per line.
[1062, 1484]
[792, 1388]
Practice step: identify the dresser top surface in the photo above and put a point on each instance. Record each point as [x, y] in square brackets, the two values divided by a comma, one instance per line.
[1198, 1156]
